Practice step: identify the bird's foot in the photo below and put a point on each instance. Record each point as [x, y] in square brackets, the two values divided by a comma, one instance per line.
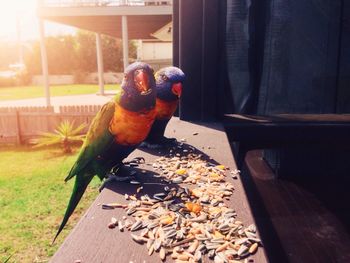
[162, 142]
[135, 162]
[119, 173]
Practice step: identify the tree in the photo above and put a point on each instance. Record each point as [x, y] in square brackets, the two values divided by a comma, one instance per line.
[61, 55]
[77, 53]
[8, 54]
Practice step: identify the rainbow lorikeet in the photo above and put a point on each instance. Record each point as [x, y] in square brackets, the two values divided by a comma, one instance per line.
[169, 88]
[117, 129]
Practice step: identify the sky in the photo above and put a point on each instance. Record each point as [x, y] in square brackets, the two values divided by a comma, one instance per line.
[26, 12]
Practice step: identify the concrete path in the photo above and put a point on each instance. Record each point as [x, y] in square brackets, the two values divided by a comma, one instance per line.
[86, 99]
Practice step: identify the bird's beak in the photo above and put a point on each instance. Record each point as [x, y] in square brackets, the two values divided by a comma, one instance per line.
[177, 89]
[142, 82]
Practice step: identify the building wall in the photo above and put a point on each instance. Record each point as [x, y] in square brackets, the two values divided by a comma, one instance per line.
[155, 50]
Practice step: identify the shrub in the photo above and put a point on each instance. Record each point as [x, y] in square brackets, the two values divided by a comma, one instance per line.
[7, 81]
[65, 135]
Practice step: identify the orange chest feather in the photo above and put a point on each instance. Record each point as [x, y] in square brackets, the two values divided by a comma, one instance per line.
[130, 128]
[165, 110]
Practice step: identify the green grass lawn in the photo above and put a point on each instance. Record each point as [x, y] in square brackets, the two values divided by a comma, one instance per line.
[28, 92]
[33, 199]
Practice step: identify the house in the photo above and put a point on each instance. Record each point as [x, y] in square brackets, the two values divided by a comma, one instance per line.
[125, 19]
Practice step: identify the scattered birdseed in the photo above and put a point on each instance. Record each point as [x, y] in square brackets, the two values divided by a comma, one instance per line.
[191, 219]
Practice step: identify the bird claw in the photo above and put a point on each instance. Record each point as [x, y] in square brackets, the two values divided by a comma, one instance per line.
[162, 142]
[115, 178]
[116, 175]
[138, 160]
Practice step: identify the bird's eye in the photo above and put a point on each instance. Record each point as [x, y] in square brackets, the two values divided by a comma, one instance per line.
[165, 78]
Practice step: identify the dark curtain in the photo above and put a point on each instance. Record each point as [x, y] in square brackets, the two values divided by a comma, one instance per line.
[288, 56]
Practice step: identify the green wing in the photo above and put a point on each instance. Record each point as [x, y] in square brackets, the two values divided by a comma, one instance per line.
[97, 140]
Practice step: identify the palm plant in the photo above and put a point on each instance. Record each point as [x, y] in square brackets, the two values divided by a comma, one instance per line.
[65, 134]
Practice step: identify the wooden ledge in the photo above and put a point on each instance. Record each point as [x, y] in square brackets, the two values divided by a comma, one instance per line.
[288, 128]
[92, 241]
[310, 217]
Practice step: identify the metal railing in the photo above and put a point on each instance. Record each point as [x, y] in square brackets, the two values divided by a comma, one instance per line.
[93, 3]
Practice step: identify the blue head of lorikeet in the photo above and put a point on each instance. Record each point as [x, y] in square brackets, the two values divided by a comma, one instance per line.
[169, 89]
[138, 88]
[169, 83]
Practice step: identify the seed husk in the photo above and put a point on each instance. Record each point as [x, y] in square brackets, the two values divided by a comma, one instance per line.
[150, 250]
[182, 257]
[191, 218]
[162, 254]
[150, 242]
[120, 226]
[192, 248]
[157, 244]
[197, 256]
[253, 248]
[130, 211]
[242, 250]
[138, 239]
[113, 205]
[218, 259]
[111, 225]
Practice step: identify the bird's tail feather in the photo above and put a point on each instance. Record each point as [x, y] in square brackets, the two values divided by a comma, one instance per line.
[81, 182]
[71, 173]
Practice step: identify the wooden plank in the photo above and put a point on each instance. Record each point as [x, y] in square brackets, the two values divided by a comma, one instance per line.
[279, 129]
[322, 131]
[92, 241]
[309, 215]
[18, 129]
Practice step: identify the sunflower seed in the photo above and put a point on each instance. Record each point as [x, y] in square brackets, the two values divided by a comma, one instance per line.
[130, 211]
[217, 240]
[253, 248]
[138, 239]
[136, 226]
[168, 223]
[149, 243]
[120, 226]
[150, 250]
[178, 180]
[170, 234]
[218, 259]
[197, 256]
[153, 225]
[113, 205]
[252, 228]
[162, 254]
[157, 243]
[242, 250]
[211, 253]
[201, 237]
